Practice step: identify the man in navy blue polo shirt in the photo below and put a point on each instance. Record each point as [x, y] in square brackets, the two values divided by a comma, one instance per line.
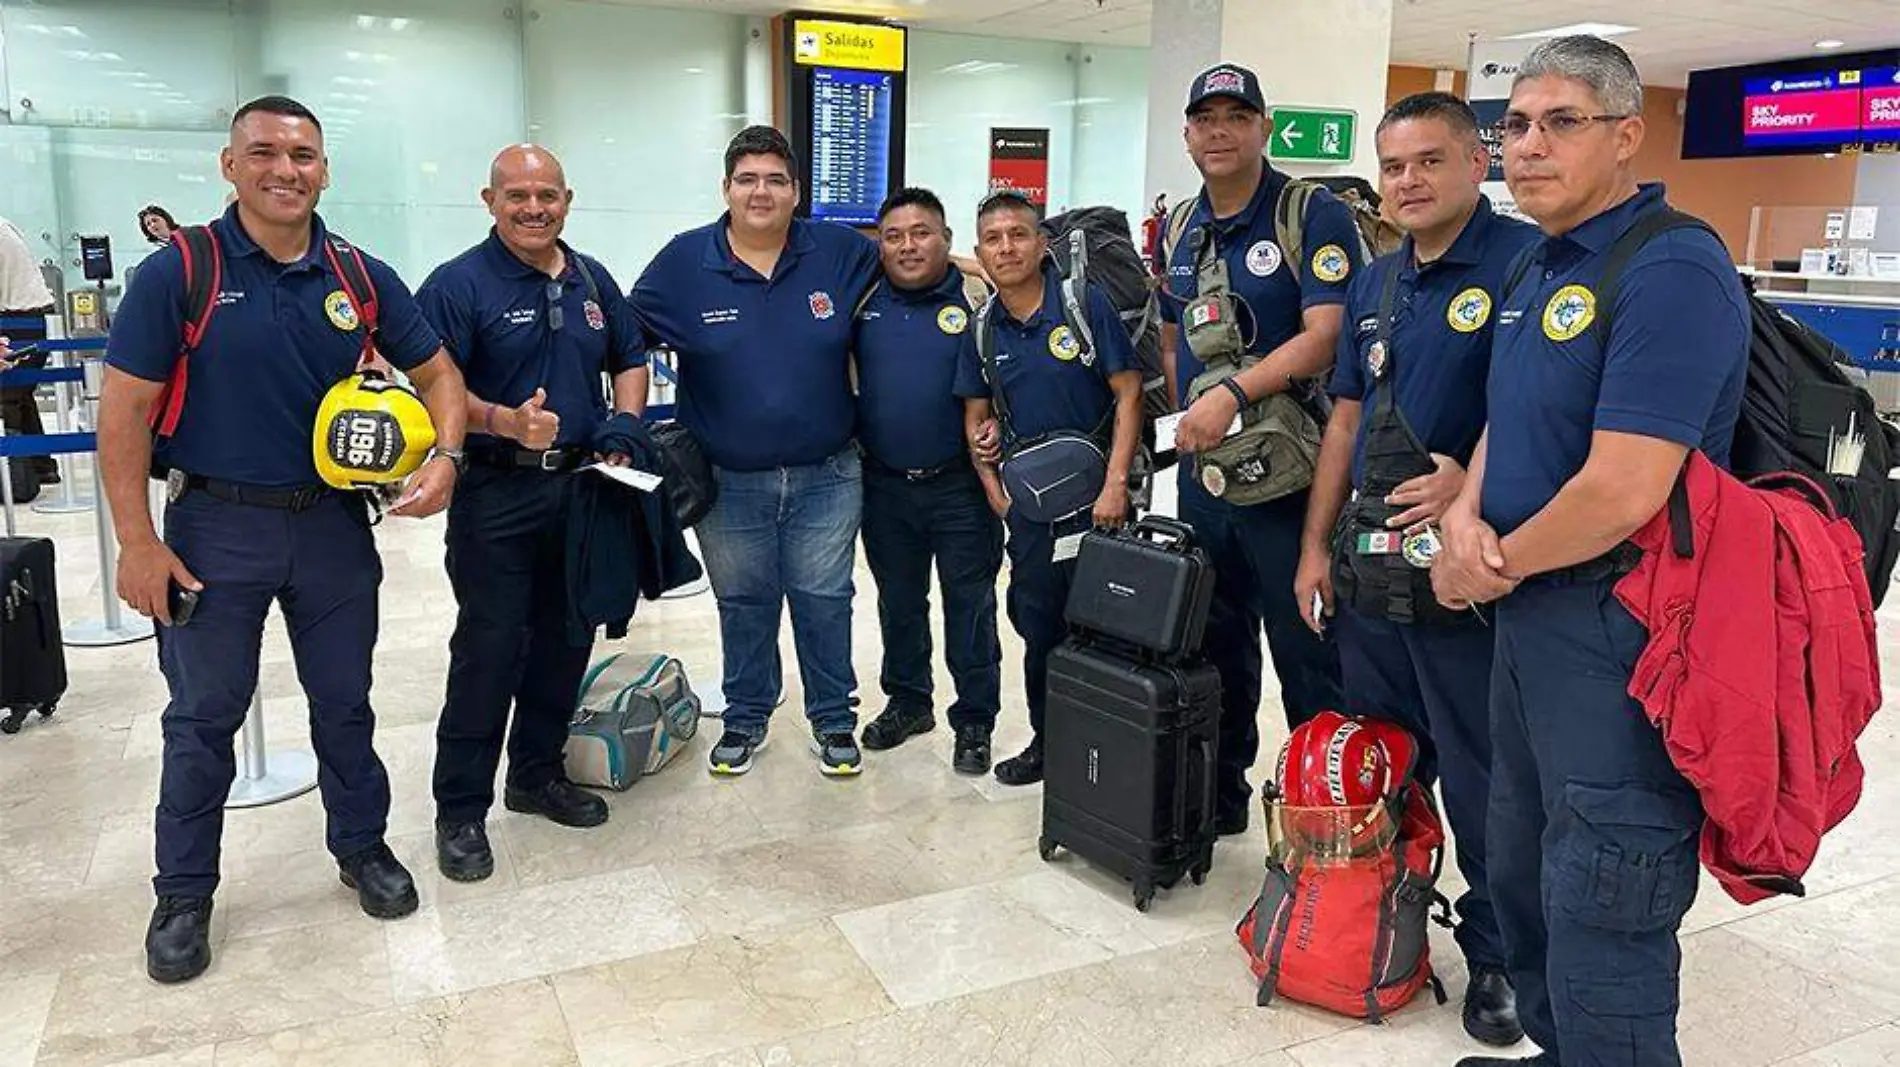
[1408, 392]
[536, 328]
[250, 522]
[758, 307]
[1291, 310]
[922, 497]
[1595, 401]
[1046, 388]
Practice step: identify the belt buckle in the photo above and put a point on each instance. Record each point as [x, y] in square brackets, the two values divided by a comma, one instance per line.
[551, 460]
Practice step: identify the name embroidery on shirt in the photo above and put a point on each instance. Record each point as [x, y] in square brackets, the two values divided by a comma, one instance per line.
[715, 316]
[227, 297]
[519, 316]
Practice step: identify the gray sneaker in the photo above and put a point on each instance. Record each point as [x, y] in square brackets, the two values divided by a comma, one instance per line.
[838, 755]
[732, 756]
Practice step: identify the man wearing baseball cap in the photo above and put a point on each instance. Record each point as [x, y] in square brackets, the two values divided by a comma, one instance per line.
[1287, 293]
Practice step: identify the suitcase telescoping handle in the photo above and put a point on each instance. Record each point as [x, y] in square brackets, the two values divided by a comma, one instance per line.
[1169, 533]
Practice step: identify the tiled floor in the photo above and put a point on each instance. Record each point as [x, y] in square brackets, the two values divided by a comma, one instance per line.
[782, 919]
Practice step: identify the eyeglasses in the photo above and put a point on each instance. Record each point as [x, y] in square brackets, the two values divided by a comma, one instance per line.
[1556, 124]
[555, 319]
[778, 183]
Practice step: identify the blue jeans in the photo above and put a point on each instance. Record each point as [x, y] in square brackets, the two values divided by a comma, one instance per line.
[778, 535]
[906, 523]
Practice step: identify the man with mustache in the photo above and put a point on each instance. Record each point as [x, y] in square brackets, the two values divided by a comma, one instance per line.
[1408, 391]
[249, 521]
[536, 328]
[758, 306]
[922, 495]
[1595, 401]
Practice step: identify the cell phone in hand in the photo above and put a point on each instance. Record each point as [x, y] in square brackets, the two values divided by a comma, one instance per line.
[181, 603]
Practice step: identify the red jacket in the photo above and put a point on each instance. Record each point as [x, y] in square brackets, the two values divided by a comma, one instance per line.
[1761, 671]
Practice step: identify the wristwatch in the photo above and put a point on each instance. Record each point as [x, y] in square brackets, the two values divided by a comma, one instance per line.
[456, 457]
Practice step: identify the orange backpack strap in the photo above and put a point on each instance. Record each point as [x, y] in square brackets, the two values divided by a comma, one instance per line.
[204, 276]
[353, 275]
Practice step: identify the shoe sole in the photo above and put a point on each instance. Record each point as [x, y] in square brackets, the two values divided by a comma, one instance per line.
[734, 770]
[835, 770]
[404, 905]
[874, 746]
[181, 974]
[529, 808]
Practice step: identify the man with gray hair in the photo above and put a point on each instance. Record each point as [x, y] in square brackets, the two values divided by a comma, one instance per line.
[1621, 345]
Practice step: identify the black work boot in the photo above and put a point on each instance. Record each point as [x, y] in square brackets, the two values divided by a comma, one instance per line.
[462, 852]
[178, 941]
[1542, 1059]
[896, 725]
[972, 754]
[1491, 1008]
[559, 801]
[1024, 768]
[383, 886]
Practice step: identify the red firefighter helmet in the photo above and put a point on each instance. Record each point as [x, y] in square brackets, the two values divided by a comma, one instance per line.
[1337, 778]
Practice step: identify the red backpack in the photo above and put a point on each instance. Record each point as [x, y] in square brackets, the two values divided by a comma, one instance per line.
[204, 276]
[1355, 850]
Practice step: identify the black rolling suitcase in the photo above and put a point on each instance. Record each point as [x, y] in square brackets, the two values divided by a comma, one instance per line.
[32, 659]
[1146, 588]
[1128, 765]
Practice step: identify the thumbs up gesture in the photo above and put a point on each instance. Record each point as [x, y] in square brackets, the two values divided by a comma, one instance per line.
[534, 427]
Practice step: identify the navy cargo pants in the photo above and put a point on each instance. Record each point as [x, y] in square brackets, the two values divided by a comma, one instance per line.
[507, 542]
[1038, 599]
[1255, 552]
[1592, 844]
[321, 568]
[1436, 682]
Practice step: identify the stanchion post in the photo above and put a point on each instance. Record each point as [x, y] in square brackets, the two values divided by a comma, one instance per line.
[66, 499]
[113, 628]
[6, 486]
[263, 778]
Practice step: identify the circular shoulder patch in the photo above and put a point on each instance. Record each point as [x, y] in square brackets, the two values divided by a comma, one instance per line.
[341, 312]
[1469, 310]
[1330, 264]
[952, 319]
[1062, 344]
[1570, 312]
[1263, 258]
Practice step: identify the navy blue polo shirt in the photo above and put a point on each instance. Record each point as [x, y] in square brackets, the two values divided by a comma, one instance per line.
[1039, 368]
[282, 335]
[909, 344]
[763, 362]
[1673, 368]
[1274, 292]
[494, 313]
[1439, 353]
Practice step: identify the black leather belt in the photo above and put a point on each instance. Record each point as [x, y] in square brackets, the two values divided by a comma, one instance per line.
[921, 474]
[1615, 563]
[301, 498]
[553, 460]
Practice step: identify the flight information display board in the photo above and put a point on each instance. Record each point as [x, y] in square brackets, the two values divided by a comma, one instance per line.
[1809, 105]
[847, 114]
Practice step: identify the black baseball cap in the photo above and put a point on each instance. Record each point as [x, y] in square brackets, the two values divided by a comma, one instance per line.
[1229, 80]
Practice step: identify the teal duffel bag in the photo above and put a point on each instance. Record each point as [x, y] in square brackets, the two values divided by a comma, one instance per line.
[636, 712]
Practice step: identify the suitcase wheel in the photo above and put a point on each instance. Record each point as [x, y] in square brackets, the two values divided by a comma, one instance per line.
[1198, 875]
[1046, 848]
[1144, 895]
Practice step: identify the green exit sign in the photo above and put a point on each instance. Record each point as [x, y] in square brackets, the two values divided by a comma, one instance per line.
[1318, 135]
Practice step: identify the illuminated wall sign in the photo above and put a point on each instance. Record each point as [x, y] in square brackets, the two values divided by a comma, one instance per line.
[848, 45]
[846, 99]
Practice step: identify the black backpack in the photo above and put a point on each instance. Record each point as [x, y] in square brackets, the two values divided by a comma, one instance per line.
[1797, 395]
[1093, 246]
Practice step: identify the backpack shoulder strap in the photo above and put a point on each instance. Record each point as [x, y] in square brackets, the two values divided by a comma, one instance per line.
[353, 274]
[1644, 230]
[1177, 228]
[587, 276]
[986, 359]
[1075, 282]
[865, 300]
[1289, 222]
[1514, 275]
[204, 275]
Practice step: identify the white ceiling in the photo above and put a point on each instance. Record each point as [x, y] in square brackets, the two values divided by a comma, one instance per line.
[1670, 40]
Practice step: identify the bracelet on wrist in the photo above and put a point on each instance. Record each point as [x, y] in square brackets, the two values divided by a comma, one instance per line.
[1240, 395]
